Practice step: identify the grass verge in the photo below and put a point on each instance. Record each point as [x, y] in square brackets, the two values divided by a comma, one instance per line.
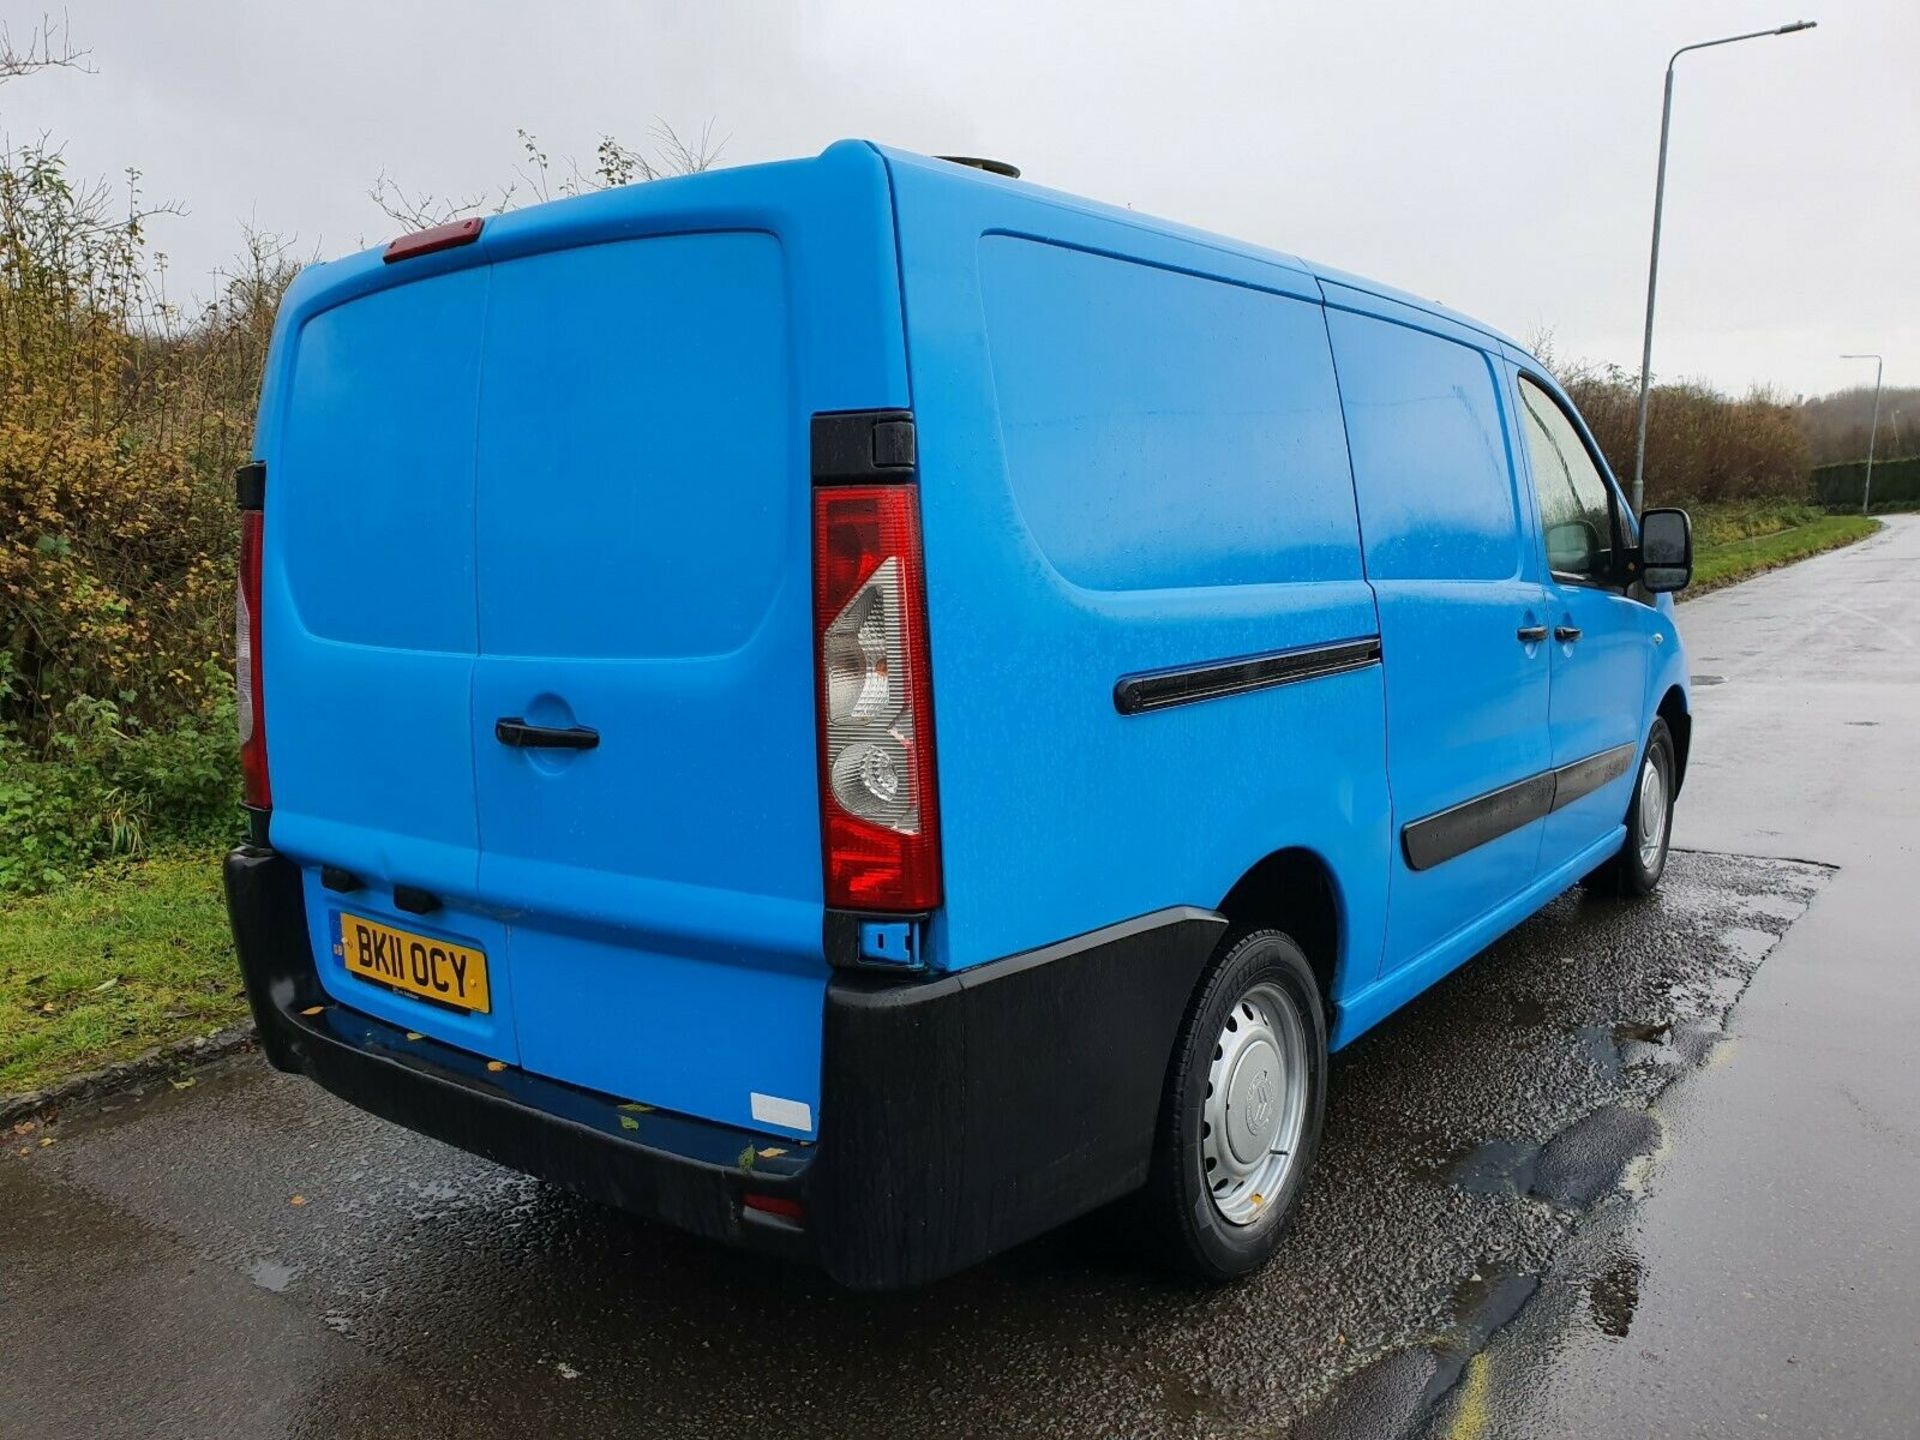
[132, 955]
[1722, 564]
[1726, 521]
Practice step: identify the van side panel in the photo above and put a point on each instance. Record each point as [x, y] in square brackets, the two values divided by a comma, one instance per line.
[1131, 459]
[1450, 552]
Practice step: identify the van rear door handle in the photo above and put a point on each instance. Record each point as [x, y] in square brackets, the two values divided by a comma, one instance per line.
[1566, 634]
[512, 730]
[1530, 634]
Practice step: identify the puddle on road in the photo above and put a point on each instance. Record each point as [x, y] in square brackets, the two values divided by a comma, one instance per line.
[1497, 1167]
[1614, 1294]
[271, 1274]
[1642, 1032]
[1752, 944]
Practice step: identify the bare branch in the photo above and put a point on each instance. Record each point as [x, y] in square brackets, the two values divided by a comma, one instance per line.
[678, 156]
[537, 176]
[48, 48]
[422, 211]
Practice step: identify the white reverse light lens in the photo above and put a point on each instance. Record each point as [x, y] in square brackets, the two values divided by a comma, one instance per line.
[243, 664]
[869, 715]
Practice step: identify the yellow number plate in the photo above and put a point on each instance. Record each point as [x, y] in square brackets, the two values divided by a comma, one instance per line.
[437, 969]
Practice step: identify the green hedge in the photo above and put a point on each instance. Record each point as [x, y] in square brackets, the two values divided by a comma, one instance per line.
[1895, 482]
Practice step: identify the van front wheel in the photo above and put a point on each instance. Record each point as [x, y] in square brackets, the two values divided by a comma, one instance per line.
[1245, 1099]
[1643, 857]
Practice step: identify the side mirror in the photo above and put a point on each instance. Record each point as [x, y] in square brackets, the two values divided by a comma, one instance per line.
[1666, 550]
[1572, 547]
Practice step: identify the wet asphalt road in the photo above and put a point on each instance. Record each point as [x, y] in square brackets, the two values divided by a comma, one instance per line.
[1779, 1248]
[1530, 1176]
[159, 1275]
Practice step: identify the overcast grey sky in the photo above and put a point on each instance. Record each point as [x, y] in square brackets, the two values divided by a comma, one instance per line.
[1496, 156]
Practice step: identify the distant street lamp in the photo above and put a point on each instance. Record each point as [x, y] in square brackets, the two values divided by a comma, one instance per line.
[1866, 493]
[1653, 264]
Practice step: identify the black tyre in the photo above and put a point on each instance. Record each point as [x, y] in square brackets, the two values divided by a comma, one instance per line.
[1642, 860]
[1240, 1120]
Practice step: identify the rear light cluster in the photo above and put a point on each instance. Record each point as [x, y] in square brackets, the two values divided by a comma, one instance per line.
[879, 820]
[249, 704]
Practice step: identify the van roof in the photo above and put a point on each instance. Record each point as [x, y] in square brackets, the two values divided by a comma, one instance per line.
[957, 174]
[321, 284]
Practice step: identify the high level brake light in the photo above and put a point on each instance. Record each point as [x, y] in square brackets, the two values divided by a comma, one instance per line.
[879, 812]
[249, 703]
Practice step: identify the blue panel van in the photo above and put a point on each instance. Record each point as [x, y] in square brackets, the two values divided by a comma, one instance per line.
[864, 708]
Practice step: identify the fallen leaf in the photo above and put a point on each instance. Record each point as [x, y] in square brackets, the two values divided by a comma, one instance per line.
[495, 1065]
[770, 1152]
[746, 1158]
[627, 1122]
[26, 1150]
[186, 1084]
[313, 1010]
[414, 1035]
[106, 985]
[296, 1200]
[45, 1140]
[634, 1107]
[47, 1009]
[1258, 1198]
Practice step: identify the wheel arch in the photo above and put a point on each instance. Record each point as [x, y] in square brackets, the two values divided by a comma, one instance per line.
[1673, 710]
[1296, 891]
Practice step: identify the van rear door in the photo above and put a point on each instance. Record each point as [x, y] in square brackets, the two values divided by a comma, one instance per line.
[642, 539]
[368, 628]
[551, 481]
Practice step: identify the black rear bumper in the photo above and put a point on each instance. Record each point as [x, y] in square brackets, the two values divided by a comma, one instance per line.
[960, 1115]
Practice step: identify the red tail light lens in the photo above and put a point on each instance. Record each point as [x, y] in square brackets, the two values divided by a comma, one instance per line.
[776, 1205]
[249, 705]
[878, 802]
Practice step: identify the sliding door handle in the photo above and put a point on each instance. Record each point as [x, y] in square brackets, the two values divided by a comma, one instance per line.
[512, 730]
[1530, 634]
[1566, 634]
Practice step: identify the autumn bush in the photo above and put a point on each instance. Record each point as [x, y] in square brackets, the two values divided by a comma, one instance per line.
[1703, 447]
[121, 420]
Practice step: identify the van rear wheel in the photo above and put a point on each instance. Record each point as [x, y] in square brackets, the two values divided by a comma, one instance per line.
[1244, 1104]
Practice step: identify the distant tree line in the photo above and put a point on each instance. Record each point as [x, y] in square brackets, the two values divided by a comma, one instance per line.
[1703, 447]
[1707, 447]
[1836, 425]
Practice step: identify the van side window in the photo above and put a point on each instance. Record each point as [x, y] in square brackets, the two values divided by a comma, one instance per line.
[1576, 506]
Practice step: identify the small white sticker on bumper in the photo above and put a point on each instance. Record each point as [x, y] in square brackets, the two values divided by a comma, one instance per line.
[790, 1114]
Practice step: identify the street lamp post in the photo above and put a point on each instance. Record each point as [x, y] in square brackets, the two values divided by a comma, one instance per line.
[1653, 263]
[1873, 433]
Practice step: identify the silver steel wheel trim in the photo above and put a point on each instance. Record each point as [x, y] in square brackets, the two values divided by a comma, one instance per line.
[1653, 814]
[1256, 1104]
